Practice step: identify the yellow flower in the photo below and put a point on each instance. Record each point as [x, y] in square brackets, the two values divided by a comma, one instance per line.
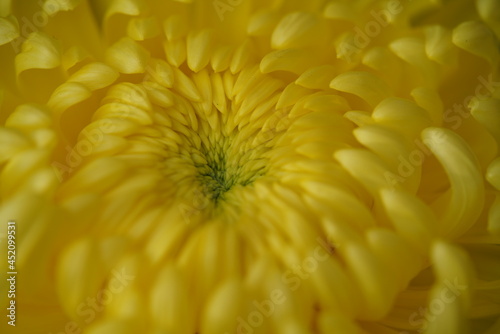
[250, 166]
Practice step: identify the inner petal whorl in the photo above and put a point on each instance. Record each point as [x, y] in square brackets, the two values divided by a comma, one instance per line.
[209, 136]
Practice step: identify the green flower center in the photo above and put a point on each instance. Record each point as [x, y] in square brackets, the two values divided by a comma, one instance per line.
[225, 169]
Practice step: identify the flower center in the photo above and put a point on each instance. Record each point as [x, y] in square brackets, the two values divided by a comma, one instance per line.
[220, 172]
[215, 176]
[211, 133]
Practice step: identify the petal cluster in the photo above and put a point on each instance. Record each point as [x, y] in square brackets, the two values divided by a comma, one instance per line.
[234, 166]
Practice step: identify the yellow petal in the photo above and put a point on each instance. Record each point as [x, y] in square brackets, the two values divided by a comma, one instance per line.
[439, 47]
[112, 326]
[331, 322]
[78, 260]
[19, 168]
[488, 10]
[127, 56]
[175, 27]
[291, 60]
[199, 47]
[175, 51]
[51, 7]
[262, 23]
[95, 76]
[170, 304]
[461, 205]
[223, 308]
[493, 173]
[291, 94]
[159, 95]
[411, 218]
[67, 95]
[478, 39]
[13, 141]
[494, 217]
[29, 116]
[386, 63]
[487, 112]
[242, 56]
[9, 29]
[454, 269]
[38, 51]
[140, 29]
[402, 116]
[363, 84]
[186, 86]
[221, 58]
[396, 254]
[317, 77]
[297, 29]
[412, 50]
[128, 93]
[373, 279]
[357, 161]
[98, 175]
[161, 72]
[431, 101]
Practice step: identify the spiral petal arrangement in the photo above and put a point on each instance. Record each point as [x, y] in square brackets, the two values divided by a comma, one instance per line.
[249, 166]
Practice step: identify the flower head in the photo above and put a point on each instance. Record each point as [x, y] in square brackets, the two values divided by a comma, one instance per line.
[238, 166]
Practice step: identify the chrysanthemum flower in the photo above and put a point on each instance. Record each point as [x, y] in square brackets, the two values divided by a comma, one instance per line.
[248, 166]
